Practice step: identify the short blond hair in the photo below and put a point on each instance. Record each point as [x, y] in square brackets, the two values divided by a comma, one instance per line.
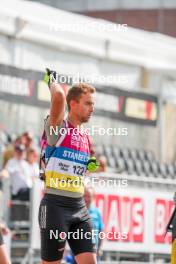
[77, 90]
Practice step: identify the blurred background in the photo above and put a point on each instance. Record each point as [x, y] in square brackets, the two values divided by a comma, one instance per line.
[127, 50]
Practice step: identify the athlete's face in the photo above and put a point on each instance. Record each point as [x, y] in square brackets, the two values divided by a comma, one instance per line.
[84, 108]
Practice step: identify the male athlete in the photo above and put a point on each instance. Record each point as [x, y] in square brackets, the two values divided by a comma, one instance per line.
[63, 210]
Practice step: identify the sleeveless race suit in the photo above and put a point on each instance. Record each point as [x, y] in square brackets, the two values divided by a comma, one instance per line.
[63, 208]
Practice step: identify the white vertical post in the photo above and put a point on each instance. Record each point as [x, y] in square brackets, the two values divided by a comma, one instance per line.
[161, 122]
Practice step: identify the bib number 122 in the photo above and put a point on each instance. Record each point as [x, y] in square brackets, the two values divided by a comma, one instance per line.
[78, 170]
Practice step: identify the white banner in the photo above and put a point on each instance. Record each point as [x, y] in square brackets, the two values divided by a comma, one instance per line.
[138, 215]
[37, 194]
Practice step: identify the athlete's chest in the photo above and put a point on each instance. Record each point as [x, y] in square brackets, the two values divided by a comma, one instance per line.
[77, 141]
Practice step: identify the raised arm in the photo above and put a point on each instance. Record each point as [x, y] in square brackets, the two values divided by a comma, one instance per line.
[58, 102]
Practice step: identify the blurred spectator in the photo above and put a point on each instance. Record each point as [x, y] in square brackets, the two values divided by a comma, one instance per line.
[32, 159]
[103, 164]
[9, 150]
[8, 154]
[95, 216]
[17, 141]
[70, 259]
[26, 140]
[20, 174]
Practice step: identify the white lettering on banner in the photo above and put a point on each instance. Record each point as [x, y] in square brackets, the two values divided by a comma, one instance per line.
[115, 213]
[126, 215]
[126, 208]
[37, 194]
[110, 102]
[101, 206]
[139, 108]
[113, 224]
[138, 220]
[160, 219]
[15, 85]
[163, 211]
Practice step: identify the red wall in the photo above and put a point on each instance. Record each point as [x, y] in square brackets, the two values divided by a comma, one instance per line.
[157, 20]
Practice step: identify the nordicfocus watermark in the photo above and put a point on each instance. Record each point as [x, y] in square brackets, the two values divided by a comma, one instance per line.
[89, 27]
[91, 181]
[105, 183]
[93, 235]
[117, 79]
[90, 131]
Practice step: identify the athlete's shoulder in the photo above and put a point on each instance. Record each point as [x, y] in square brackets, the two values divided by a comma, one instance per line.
[53, 134]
